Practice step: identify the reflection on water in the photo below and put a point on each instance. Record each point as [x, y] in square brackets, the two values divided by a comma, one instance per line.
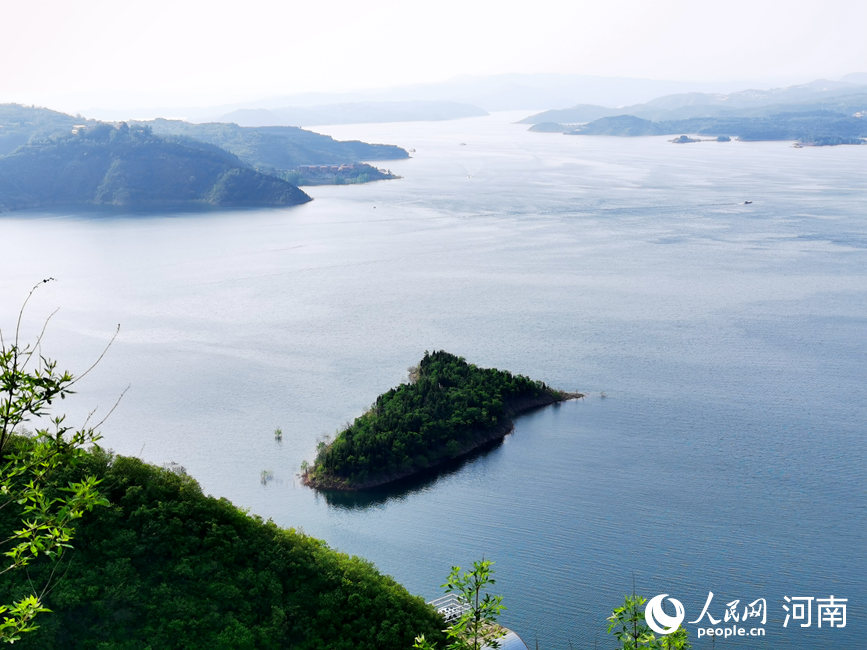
[401, 489]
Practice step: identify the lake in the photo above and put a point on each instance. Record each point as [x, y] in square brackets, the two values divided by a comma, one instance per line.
[721, 346]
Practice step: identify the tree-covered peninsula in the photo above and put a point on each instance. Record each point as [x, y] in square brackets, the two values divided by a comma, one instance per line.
[447, 409]
[46, 166]
[117, 165]
[278, 147]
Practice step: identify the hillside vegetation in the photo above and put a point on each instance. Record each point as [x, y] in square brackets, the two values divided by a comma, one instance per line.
[164, 566]
[19, 124]
[278, 148]
[291, 154]
[105, 165]
[449, 408]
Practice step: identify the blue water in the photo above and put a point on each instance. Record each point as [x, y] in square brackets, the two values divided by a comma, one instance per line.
[727, 455]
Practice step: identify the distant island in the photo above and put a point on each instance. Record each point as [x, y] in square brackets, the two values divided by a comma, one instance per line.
[448, 409]
[102, 165]
[816, 114]
[817, 128]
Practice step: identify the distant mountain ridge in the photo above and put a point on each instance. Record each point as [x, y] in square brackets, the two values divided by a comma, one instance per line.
[498, 92]
[354, 113]
[819, 113]
[503, 92]
[839, 96]
[811, 128]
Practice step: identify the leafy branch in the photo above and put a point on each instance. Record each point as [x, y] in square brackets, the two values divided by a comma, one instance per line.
[39, 514]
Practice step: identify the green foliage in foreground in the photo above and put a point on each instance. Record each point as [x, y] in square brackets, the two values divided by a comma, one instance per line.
[477, 627]
[164, 566]
[628, 625]
[448, 409]
[38, 511]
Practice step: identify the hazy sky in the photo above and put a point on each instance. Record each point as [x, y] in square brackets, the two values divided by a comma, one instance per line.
[123, 53]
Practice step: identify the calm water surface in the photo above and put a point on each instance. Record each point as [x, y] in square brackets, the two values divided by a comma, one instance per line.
[727, 455]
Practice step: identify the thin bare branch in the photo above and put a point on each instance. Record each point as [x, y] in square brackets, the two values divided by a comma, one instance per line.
[49, 585]
[111, 410]
[38, 342]
[99, 358]
[24, 305]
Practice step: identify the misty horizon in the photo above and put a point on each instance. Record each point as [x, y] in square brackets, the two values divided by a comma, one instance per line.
[98, 55]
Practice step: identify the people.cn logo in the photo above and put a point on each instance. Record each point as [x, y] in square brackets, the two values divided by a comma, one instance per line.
[658, 620]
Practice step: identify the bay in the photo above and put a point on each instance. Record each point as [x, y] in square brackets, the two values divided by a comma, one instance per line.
[728, 340]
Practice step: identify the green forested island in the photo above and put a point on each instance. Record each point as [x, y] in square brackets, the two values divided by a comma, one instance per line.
[117, 165]
[448, 408]
[164, 566]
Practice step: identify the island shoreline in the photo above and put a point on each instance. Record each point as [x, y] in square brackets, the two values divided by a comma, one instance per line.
[516, 408]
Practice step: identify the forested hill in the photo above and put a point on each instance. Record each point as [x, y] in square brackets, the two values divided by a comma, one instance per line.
[19, 124]
[101, 164]
[164, 566]
[290, 153]
[278, 147]
[448, 408]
